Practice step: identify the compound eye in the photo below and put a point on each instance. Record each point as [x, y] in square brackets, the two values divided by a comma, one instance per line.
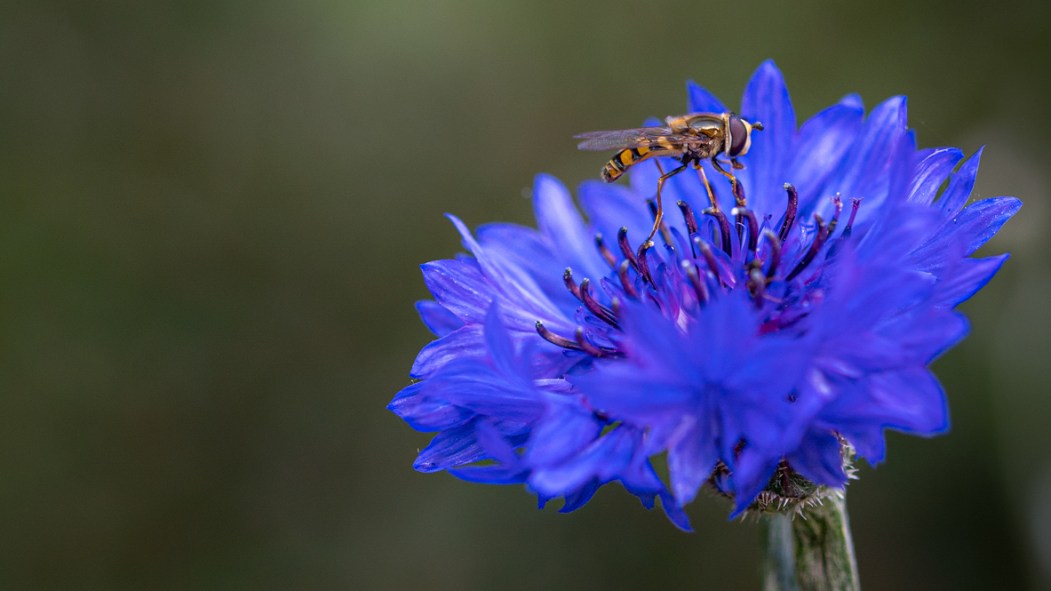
[738, 136]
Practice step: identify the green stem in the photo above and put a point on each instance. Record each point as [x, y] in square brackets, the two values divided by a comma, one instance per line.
[809, 552]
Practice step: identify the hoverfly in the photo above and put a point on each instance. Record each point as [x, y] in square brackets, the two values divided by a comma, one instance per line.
[691, 138]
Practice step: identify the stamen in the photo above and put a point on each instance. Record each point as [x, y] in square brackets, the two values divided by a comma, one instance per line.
[590, 348]
[775, 253]
[625, 247]
[603, 313]
[688, 217]
[838, 204]
[554, 339]
[607, 254]
[699, 287]
[756, 284]
[644, 268]
[790, 212]
[567, 278]
[819, 240]
[753, 228]
[738, 191]
[855, 203]
[724, 228]
[626, 282]
[709, 257]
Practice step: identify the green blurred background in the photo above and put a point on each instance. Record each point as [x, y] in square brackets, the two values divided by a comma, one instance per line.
[211, 219]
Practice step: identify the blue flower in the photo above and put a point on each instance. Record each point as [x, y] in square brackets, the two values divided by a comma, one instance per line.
[752, 350]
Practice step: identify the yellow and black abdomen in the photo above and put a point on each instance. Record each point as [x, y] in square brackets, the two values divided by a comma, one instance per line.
[626, 158]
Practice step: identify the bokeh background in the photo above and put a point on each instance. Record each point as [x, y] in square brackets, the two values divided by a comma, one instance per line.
[211, 219]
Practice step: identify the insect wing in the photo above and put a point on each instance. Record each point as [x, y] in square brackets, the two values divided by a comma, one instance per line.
[628, 138]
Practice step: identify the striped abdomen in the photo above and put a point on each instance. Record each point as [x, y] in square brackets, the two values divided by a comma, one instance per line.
[624, 159]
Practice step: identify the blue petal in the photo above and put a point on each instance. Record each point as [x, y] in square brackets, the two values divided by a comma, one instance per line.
[566, 429]
[459, 287]
[967, 278]
[449, 449]
[766, 99]
[464, 343]
[823, 142]
[865, 172]
[981, 220]
[750, 476]
[852, 100]
[498, 342]
[425, 413]
[530, 302]
[436, 318]
[960, 186]
[820, 459]
[931, 171]
[528, 253]
[699, 100]
[610, 207]
[559, 221]
[691, 460]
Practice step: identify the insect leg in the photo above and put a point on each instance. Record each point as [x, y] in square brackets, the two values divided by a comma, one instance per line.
[707, 186]
[738, 195]
[660, 208]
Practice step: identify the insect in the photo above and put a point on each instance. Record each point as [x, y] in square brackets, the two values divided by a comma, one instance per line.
[691, 138]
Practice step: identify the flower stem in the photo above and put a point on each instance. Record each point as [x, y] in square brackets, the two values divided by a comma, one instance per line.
[810, 552]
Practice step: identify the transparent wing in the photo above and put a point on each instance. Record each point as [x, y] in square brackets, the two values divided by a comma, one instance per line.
[628, 138]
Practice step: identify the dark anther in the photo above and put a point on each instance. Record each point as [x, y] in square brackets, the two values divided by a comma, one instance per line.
[625, 280]
[687, 216]
[567, 278]
[775, 253]
[819, 240]
[643, 266]
[724, 228]
[554, 339]
[790, 212]
[748, 218]
[854, 204]
[700, 289]
[606, 253]
[625, 247]
[600, 311]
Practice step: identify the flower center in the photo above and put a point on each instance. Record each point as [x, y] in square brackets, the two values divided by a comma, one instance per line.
[780, 270]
